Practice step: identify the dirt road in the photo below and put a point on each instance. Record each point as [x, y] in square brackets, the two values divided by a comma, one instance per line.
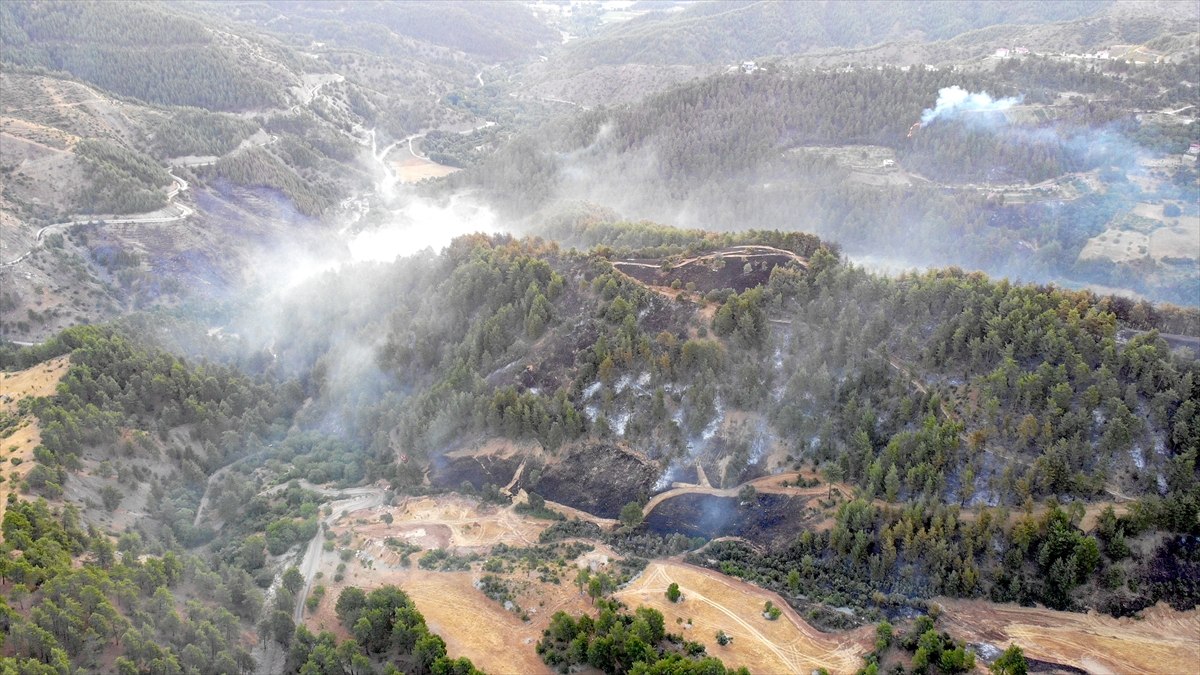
[213, 478]
[712, 602]
[269, 657]
[183, 211]
[769, 484]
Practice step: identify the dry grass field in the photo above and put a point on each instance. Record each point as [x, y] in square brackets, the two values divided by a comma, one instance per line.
[1164, 641]
[715, 602]
[40, 380]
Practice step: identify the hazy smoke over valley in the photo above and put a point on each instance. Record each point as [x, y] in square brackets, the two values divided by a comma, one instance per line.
[421, 224]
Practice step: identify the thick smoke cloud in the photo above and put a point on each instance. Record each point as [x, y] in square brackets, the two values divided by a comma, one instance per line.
[955, 100]
[422, 224]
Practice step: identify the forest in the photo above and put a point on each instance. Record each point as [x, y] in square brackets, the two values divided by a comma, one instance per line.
[119, 180]
[618, 642]
[976, 420]
[730, 31]
[734, 148]
[89, 43]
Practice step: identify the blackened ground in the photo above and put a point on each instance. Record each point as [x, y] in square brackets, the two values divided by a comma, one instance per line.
[1173, 574]
[451, 472]
[1052, 668]
[771, 517]
[598, 478]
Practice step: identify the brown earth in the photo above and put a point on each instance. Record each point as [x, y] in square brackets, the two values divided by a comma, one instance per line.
[446, 521]
[473, 625]
[1164, 641]
[411, 168]
[495, 639]
[715, 602]
[40, 380]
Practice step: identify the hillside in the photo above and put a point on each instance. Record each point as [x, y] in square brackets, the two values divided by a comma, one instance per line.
[1031, 191]
[178, 60]
[487, 30]
[732, 32]
[639, 338]
[872, 429]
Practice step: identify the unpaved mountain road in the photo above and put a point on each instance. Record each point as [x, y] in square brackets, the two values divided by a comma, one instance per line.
[182, 211]
[269, 656]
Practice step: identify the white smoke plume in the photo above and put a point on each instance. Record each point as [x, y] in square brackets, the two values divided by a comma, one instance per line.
[954, 100]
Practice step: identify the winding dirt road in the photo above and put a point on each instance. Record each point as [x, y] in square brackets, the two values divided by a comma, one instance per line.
[768, 484]
[184, 211]
[714, 601]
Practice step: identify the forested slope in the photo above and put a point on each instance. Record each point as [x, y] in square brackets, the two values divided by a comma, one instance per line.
[729, 32]
[978, 423]
[175, 59]
[792, 149]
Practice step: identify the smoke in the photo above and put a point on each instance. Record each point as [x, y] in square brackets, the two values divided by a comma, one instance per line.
[419, 225]
[955, 100]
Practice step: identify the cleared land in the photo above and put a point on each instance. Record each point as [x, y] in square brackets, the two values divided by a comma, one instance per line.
[1117, 246]
[1177, 241]
[715, 602]
[473, 625]
[1164, 641]
[736, 267]
[413, 168]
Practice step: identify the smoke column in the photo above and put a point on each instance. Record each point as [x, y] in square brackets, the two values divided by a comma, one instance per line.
[954, 100]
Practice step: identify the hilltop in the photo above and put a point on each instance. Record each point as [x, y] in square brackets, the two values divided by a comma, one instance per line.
[789, 409]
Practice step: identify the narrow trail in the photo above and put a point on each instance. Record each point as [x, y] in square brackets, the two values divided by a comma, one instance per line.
[213, 478]
[507, 489]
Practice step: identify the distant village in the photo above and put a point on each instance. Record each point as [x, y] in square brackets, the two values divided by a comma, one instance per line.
[1132, 54]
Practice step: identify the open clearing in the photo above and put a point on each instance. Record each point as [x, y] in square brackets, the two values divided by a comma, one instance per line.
[473, 625]
[715, 602]
[1116, 245]
[448, 521]
[40, 380]
[1165, 641]
[412, 168]
[1177, 241]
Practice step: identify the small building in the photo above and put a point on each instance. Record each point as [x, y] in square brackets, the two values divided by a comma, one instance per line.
[1002, 53]
[1194, 149]
[1022, 51]
[749, 66]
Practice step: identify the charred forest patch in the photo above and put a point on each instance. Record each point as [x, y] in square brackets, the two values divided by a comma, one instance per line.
[765, 519]
[452, 472]
[598, 478]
